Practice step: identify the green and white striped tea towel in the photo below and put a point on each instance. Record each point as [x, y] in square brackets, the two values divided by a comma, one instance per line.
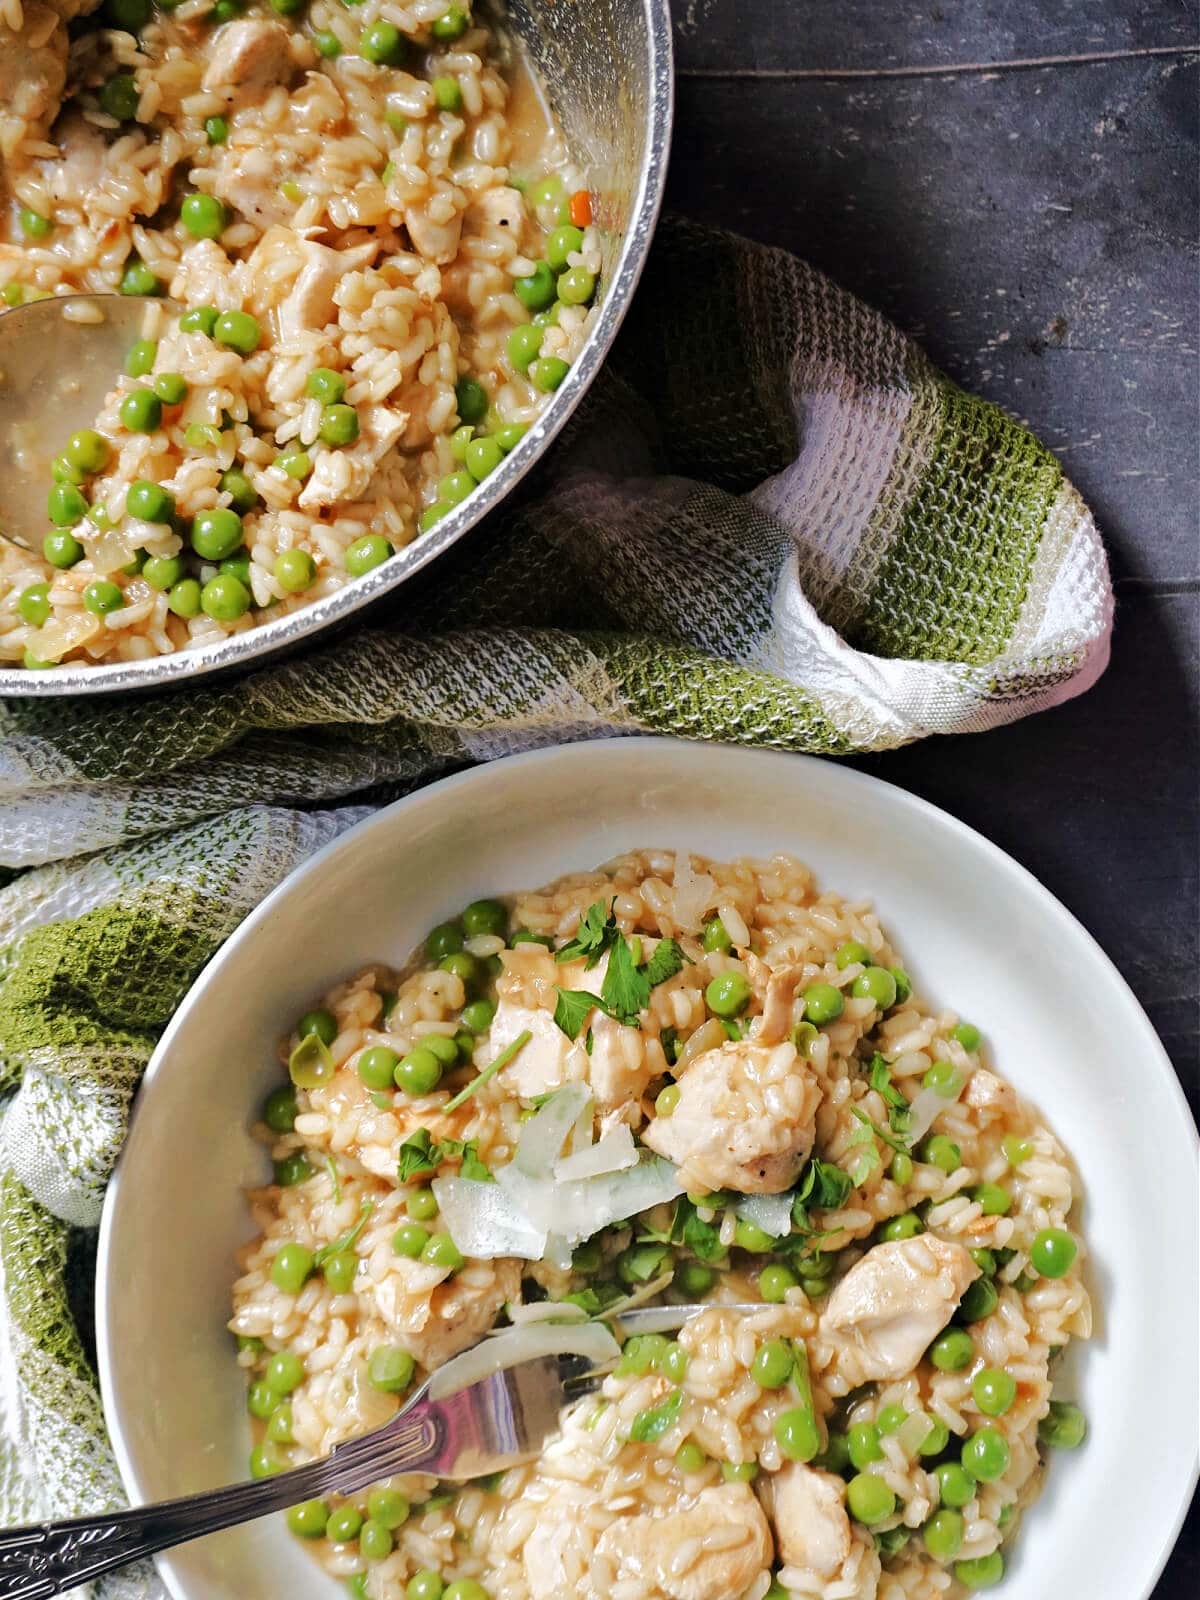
[772, 522]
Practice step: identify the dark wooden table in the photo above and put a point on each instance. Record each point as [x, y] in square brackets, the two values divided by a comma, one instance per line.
[1015, 184]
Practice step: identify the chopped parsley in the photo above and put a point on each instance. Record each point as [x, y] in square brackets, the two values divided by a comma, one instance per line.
[490, 1071]
[596, 931]
[625, 992]
[667, 960]
[880, 1133]
[824, 1187]
[573, 1007]
[331, 1169]
[418, 1155]
[347, 1239]
[899, 1110]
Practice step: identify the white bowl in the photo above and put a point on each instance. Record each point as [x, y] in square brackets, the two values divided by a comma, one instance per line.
[974, 927]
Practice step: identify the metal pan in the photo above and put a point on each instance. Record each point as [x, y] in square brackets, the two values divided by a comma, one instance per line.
[606, 68]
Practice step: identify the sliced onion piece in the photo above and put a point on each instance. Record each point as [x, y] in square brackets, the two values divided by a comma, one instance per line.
[591, 1340]
[770, 1212]
[484, 1221]
[613, 1153]
[913, 1432]
[693, 892]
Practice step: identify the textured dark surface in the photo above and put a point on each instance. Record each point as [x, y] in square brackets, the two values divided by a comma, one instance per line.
[1035, 226]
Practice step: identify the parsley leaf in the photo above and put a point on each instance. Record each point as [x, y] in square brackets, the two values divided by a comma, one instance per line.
[880, 1133]
[824, 1187]
[418, 1155]
[572, 1008]
[347, 1239]
[702, 1238]
[625, 990]
[473, 1164]
[667, 960]
[899, 1110]
[490, 1071]
[596, 931]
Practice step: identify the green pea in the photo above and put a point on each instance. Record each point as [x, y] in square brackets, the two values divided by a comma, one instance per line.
[225, 598]
[200, 319]
[376, 1065]
[292, 1267]
[119, 97]
[985, 1261]
[62, 549]
[441, 1251]
[237, 566]
[561, 244]
[327, 43]
[339, 425]
[149, 501]
[264, 1461]
[137, 279]
[905, 1226]
[994, 1391]
[87, 450]
[240, 490]
[716, 936]
[216, 130]
[261, 1400]
[939, 1151]
[459, 440]
[345, 1524]
[694, 1279]
[292, 1169]
[375, 1541]
[1016, 1149]
[673, 1362]
[140, 411]
[891, 1419]
[483, 457]
[433, 514]
[141, 357]
[728, 994]
[640, 1354]
[425, 1584]
[387, 1506]
[739, 1471]
[466, 1589]
[1052, 1252]
[477, 1017]
[869, 1499]
[390, 1369]
[216, 533]
[1064, 1427]
[279, 1109]
[877, 985]
[836, 1455]
[968, 1036]
[537, 290]
[772, 1365]
[284, 1372]
[422, 1204]
[936, 1440]
[994, 1198]
[471, 400]
[846, 955]
[447, 94]
[464, 967]
[944, 1079]
[952, 1350]
[455, 487]
[986, 1455]
[641, 1262]
[295, 464]
[340, 1270]
[980, 1572]
[33, 225]
[690, 1458]
[383, 44]
[451, 25]
[547, 372]
[903, 984]
[100, 597]
[419, 1072]
[862, 1442]
[409, 1239]
[510, 435]
[956, 1486]
[943, 1535]
[576, 286]
[34, 604]
[901, 1168]
[65, 505]
[239, 331]
[203, 216]
[823, 1003]
[308, 1519]
[749, 1236]
[441, 1046]
[367, 553]
[184, 598]
[666, 1100]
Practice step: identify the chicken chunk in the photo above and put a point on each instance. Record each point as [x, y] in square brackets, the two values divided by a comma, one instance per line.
[711, 1549]
[812, 1529]
[987, 1093]
[33, 72]
[308, 305]
[435, 239]
[345, 475]
[890, 1305]
[744, 1119]
[435, 1315]
[250, 54]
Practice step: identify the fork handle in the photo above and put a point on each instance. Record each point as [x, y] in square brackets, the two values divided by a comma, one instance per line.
[49, 1558]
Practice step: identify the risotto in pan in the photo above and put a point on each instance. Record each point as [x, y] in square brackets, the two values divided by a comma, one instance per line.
[669, 1080]
[385, 263]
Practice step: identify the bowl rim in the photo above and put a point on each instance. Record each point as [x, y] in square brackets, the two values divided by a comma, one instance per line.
[913, 805]
[258, 645]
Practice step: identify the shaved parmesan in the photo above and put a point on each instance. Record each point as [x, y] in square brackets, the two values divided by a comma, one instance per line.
[927, 1106]
[484, 1221]
[544, 1135]
[770, 1212]
[591, 1340]
[613, 1153]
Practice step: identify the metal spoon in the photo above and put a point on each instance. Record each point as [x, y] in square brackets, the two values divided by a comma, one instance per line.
[59, 359]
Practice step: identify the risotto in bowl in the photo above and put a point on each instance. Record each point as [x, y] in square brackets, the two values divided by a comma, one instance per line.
[385, 250]
[729, 1080]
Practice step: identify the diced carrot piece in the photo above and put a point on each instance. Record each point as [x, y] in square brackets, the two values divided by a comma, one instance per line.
[580, 209]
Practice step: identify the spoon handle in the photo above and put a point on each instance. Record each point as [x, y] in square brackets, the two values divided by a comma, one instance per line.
[48, 1558]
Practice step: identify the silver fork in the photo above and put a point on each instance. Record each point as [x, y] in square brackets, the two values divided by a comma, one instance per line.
[492, 1424]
